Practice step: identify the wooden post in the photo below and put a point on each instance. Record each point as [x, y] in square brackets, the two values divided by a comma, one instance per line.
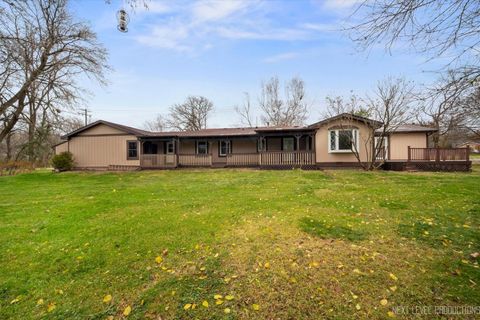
[409, 154]
[467, 150]
[437, 154]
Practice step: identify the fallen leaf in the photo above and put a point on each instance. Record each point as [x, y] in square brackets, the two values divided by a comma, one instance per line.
[17, 299]
[255, 307]
[107, 298]
[227, 310]
[205, 304]
[267, 265]
[217, 296]
[358, 307]
[391, 314]
[475, 255]
[158, 259]
[229, 297]
[127, 311]
[40, 302]
[51, 306]
[393, 288]
[218, 302]
[187, 306]
[384, 302]
[393, 277]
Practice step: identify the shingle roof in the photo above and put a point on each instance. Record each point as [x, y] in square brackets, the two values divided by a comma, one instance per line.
[127, 129]
[410, 128]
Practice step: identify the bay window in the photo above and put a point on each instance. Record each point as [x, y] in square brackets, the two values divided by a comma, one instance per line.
[342, 140]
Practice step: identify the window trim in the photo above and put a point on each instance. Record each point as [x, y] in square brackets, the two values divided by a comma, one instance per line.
[166, 147]
[128, 149]
[196, 146]
[386, 147]
[229, 147]
[355, 145]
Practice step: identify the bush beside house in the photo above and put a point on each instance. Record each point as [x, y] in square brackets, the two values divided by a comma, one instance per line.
[63, 161]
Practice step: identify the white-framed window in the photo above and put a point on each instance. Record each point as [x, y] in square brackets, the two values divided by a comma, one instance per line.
[288, 144]
[382, 144]
[224, 148]
[202, 147]
[170, 147]
[343, 140]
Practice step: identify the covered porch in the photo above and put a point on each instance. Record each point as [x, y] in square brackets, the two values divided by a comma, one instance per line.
[267, 149]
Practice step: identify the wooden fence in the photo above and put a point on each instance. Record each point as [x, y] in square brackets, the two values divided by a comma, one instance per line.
[438, 154]
[158, 160]
[195, 160]
[293, 158]
[243, 159]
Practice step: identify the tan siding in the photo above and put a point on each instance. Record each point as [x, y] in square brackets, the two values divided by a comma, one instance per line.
[399, 143]
[244, 146]
[101, 129]
[322, 140]
[101, 151]
[61, 147]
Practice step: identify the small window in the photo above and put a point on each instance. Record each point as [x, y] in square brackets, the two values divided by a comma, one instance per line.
[132, 150]
[288, 144]
[224, 148]
[202, 147]
[262, 144]
[343, 140]
[170, 147]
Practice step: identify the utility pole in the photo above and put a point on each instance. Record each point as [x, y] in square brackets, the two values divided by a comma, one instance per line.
[85, 113]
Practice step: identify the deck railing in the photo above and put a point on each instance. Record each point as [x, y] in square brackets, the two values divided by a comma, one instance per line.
[243, 159]
[438, 154]
[296, 158]
[158, 160]
[195, 160]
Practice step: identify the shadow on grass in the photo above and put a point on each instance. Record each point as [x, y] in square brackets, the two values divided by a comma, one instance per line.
[327, 231]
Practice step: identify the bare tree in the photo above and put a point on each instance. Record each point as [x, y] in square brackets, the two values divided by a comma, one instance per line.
[245, 112]
[283, 112]
[158, 124]
[438, 29]
[383, 112]
[190, 115]
[43, 53]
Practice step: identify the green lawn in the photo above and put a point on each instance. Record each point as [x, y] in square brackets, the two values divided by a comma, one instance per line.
[280, 244]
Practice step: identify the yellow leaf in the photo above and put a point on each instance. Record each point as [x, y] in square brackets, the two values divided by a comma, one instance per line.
[205, 304]
[15, 300]
[107, 298]
[219, 301]
[217, 296]
[39, 302]
[51, 306]
[158, 259]
[255, 307]
[391, 314]
[358, 307]
[202, 269]
[393, 277]
[356, 271]
[393, 288]
[267, 265]
[229, 298]
[187, 306]
[194, 306]
[384, 302]
[227, 310]
[127, 311]
[110, 318]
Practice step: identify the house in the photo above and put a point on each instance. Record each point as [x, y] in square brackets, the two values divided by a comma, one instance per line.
[334, 142]
[473, 145]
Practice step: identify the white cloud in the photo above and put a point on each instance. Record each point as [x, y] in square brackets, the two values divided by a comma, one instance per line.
[340, 4]
[212, 10]
[190, 27]
[281, 57]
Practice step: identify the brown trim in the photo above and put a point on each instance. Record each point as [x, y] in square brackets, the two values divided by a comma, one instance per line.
[104, 135]
[136, 143]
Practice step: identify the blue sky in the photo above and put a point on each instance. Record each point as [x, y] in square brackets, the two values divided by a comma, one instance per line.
[221, 49]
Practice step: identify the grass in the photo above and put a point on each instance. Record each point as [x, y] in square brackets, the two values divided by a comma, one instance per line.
[292, 244]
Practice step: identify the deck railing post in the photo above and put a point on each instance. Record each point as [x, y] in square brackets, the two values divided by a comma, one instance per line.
[437, 155]
[467, 151]
[409, 154]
